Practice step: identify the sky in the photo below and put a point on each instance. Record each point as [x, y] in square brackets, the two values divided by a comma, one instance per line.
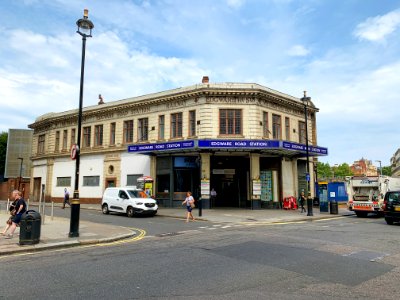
[345, 54]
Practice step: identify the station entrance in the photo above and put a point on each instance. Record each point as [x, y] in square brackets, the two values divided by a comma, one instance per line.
[230, 179]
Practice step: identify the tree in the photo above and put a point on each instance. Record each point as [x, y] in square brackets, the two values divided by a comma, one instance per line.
[342, 171]
[387, 171]
[3, 151]
[323, 170]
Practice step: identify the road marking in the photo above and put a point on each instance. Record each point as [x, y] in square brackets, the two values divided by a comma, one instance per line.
[142, 234]
[329, 219]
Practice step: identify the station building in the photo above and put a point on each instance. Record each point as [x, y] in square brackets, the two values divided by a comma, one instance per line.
[244, 140]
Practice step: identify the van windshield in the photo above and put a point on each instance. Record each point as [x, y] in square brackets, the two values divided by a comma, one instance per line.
[137, 194]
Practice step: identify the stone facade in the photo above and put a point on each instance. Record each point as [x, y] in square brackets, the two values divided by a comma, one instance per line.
[193, 114]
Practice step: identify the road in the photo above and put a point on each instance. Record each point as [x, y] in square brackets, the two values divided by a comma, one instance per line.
[341, 258]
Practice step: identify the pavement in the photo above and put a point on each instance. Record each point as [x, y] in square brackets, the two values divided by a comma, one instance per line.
[54, 230]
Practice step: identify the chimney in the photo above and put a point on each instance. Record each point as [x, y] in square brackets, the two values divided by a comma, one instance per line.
[101, 100]
[205, 79]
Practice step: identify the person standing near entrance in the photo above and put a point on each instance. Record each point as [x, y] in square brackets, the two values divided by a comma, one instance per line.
[66, 198]
[20, 208]
[213, 194]
[189, 201]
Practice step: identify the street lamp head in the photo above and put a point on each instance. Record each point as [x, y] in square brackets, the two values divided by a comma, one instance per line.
[85, 26]
[305, 99]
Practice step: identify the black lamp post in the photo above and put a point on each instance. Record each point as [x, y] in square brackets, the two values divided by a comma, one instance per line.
[20, 172]
[305, 101]
[85, 27]
[380, 166]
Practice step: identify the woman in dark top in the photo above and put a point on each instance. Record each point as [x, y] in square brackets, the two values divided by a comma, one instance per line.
[20, 208]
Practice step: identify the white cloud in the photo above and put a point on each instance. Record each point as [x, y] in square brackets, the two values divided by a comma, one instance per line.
[235, 3]
[46, 77]
[298, 50]
[377, 28]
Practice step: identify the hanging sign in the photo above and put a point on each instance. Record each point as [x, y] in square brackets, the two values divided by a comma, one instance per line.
[74, 151]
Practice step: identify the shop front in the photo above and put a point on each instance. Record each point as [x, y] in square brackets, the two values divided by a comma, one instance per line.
[242, 174]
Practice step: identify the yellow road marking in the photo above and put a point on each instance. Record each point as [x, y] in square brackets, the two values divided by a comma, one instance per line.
[142, 234]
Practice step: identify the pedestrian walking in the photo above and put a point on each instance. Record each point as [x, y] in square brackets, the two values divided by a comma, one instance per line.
[66, 198]
[302, 201]
[20, 208]
[189, 201]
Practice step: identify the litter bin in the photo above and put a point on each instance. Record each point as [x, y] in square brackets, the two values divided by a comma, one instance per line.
[333, 207]
[29, 228]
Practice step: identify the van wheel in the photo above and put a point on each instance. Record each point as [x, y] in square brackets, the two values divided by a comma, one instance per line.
[104, 209]
[389, 221]
[130, 212]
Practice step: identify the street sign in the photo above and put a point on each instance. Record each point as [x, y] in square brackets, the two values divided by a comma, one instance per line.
[74, 151]
[308, 177]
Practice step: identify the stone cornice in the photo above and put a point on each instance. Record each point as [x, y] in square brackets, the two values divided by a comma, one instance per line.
[247, 93]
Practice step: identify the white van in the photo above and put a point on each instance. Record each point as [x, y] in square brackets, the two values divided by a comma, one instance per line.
[129, 200]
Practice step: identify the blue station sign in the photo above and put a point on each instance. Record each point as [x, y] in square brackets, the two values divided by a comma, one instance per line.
[303, 148]
[161, 146]
[227, 144]
[254, 144]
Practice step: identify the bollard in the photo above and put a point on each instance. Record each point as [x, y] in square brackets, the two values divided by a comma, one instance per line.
[52, 210]
[309, 206]
[200, 207]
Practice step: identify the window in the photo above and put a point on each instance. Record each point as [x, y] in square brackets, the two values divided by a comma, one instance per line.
[182, 180]
[287, 128]
[128, 131]
[73, 136]
[98, 135]
[91, 180]
[161, 127]
[57, 142]
[122, 195]
[176, 125]
[41, 141]
[230, 121]
[132, 179]
[265, 125]
[63, 181]
[163, 183]
[143, 129]
[192, 123]
[276, 127]
[112, 134]
[302, 132]
[65, 140]
[86, 136]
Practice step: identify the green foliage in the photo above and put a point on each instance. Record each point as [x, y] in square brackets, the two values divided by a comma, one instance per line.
[325, 171]
[387, 171]
[3, 151]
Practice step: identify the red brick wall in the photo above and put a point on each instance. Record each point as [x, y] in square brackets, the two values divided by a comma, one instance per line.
[7, 187]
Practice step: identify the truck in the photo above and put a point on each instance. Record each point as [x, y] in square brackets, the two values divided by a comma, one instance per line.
[366, 193]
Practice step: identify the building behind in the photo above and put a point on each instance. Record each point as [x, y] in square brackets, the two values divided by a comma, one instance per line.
[395, 163]
[364, 167]
[18, 163]
[244, 140]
